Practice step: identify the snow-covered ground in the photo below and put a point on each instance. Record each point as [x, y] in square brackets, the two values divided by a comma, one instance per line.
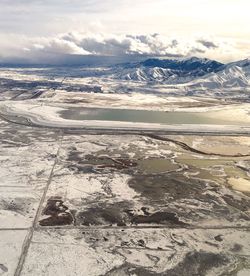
[74, 202]
[192, 77]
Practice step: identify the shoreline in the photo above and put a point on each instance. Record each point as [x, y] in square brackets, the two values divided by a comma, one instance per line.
[50, 119]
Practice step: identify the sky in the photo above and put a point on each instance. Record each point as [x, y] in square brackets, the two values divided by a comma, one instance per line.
[37, 30]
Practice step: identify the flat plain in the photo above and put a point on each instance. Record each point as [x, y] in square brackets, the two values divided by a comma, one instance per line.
[77, 201]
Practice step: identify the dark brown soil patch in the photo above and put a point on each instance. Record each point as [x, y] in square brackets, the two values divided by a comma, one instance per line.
[103, 215]
[59, 214]
[173, 186]
[158, 218]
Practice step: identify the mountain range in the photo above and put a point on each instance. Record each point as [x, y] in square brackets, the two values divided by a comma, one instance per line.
[195, 73]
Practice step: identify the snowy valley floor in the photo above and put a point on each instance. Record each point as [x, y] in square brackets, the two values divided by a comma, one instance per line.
[80, 204]
[87, 198]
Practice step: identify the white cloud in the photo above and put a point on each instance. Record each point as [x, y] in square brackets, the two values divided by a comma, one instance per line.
[38, 22]
[154, 44]
[75, 43]
[60, 46]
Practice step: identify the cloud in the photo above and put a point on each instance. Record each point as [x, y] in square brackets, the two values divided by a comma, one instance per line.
[208, 44]
[115, 45]
[60, 46]
[72, 44]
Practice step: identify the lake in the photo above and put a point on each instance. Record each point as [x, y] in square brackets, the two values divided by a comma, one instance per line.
[146, 116]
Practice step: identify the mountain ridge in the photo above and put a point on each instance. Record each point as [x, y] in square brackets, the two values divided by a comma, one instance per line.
[194, 72]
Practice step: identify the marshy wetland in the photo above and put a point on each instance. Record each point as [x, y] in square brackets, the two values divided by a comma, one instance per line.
[110, 202]
[139, 180]
[147, 204]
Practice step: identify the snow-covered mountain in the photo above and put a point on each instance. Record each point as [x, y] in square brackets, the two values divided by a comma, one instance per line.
[154, 75]
[194, 65]
[233, 75]
[166, 70]
[195, 73]
[241, 63]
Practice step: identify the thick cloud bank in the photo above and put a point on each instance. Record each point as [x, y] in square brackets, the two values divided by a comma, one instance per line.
[115, 45]
[121, 45]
